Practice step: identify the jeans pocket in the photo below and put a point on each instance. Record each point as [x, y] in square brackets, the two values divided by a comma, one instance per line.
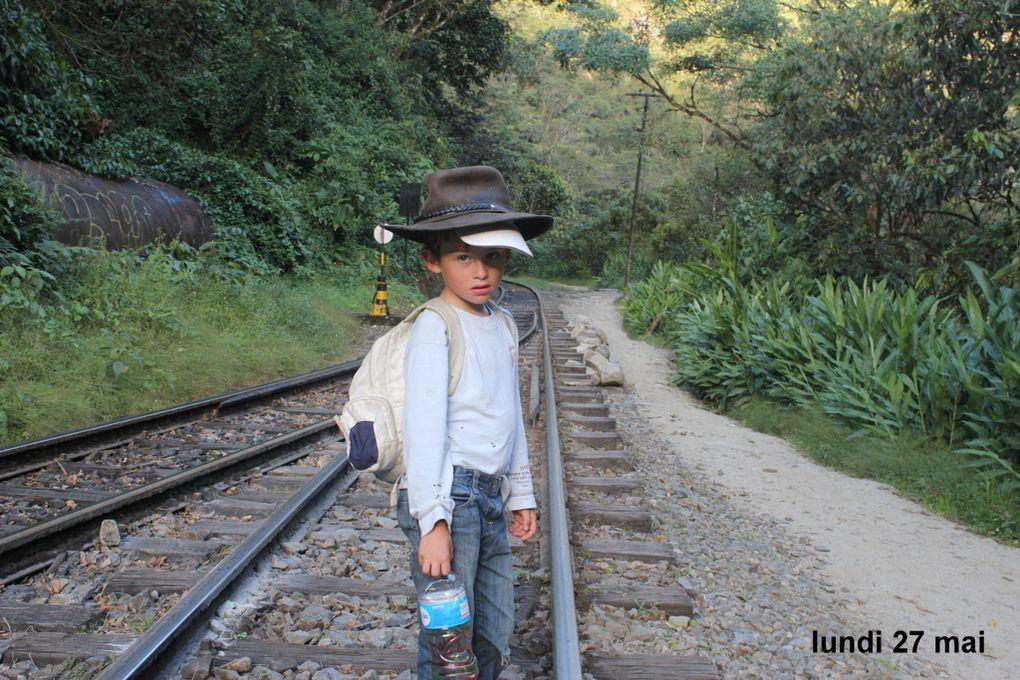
[462, 494]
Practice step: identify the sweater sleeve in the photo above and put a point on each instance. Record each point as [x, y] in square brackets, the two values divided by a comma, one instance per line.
[427, 462]
[522, 494]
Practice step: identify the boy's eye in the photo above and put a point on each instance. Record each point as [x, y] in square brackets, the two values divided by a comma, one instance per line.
[494, 256]
[463, 257]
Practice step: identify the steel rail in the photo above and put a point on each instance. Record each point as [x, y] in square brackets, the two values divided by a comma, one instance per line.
[43, 446]
[120, 501]
[566, 648]
[139, 659]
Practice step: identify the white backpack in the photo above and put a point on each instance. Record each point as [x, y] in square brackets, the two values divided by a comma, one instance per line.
[371, 420]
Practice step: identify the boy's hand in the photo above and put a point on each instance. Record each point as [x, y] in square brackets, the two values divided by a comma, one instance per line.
[435, 551]
[525, 523]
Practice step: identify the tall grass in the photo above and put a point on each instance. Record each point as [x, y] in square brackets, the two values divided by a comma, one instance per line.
[130, 334]
[876, 359]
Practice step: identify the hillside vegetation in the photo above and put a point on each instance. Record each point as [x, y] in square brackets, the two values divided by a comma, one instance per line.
[827, 215]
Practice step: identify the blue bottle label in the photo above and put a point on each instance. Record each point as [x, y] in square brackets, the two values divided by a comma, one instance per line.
[445, 614]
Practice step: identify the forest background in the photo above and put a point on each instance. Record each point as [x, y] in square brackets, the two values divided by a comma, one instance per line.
[827, 222]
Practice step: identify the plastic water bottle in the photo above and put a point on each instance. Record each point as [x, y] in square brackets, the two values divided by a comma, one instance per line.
[446, 619]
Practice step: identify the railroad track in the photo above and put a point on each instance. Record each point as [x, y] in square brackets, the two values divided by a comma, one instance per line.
[298, 565]
[54, 491]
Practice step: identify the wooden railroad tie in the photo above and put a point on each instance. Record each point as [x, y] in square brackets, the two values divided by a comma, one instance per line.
[361, 500]
[672, 600]
[640, 551]
[235, 507]
[137, 580]
[584, 409]
[626, 516]
[608, 485]
[171, 547]
[573, 379]
[597, 440]
[218, 527]
[588, 395]
[277, 482]
[651, 667]
[40, 493]
[594, 423]
[614, 460]
[258, 496]
[45, 617]
[53, 648]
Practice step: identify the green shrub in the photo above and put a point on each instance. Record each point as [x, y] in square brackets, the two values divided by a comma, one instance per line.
[878, 359]
[45, 104]
[257, 222]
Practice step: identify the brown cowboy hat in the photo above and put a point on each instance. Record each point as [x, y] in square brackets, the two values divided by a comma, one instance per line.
[469, 199]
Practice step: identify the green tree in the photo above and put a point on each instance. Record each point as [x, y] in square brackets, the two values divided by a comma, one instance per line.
[46, 111]
[890, 132]
[889, 146]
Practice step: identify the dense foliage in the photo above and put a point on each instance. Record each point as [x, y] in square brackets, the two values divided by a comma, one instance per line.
[292, 123]
[46, 110]
[889, 133]
[866, 354]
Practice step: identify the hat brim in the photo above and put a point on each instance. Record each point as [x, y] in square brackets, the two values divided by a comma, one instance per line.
[487, 237]
[528, 224]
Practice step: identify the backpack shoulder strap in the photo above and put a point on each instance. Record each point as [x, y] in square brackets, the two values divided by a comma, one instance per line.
[454, 335]
[507, 317]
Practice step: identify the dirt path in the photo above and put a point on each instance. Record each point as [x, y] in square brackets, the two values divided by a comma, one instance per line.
[911, 570]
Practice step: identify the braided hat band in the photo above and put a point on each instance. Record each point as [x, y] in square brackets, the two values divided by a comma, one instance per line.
[453, 209]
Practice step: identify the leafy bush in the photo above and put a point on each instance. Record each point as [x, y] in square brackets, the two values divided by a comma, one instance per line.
[45, 104]
[878, 359]
[24, 221]
[257, 222]
[650, 300]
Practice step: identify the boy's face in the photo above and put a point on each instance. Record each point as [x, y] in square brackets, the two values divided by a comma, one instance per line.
[471, 274]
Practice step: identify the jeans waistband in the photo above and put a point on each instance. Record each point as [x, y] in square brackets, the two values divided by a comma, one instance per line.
[487, 483]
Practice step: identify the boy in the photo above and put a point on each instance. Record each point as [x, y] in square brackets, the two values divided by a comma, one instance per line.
[465, 454]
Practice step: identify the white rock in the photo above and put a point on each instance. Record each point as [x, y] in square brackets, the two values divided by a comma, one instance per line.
[241, 664]
[109, 533]
[297, 637]
[605, 371]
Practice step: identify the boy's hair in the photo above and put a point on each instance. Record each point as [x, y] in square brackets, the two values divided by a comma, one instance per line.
[434, 241]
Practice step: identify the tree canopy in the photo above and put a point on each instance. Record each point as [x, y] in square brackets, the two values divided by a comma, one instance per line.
[890, 132]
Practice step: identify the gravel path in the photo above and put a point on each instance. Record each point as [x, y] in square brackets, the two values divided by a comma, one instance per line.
[781, 547]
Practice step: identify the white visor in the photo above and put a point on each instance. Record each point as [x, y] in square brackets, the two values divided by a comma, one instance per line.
[498, 238]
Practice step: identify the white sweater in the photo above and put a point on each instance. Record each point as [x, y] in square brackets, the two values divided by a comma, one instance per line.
[479, 426]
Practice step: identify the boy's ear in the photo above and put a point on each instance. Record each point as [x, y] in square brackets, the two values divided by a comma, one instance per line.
[431, 261]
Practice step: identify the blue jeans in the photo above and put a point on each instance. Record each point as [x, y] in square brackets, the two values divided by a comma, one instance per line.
[482, 562]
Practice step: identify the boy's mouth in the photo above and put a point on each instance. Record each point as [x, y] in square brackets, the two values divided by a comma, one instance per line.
[480, 290]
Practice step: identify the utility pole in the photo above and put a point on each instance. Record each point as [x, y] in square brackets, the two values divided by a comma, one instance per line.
[637, 179]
